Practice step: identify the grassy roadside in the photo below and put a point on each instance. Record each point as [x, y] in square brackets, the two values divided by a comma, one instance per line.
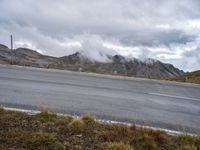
[191, 77]
[47, 131]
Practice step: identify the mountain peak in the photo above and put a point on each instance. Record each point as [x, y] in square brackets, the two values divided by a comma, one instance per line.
[118, 64]
[3, 47]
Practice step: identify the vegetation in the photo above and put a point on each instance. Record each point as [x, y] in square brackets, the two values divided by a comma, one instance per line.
[192, 77]
[47, 131]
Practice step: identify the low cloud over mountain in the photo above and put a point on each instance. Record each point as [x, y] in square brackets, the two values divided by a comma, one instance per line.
[115, 64]
[165, 30]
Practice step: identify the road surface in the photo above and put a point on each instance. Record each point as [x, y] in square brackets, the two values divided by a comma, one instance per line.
[163, 104]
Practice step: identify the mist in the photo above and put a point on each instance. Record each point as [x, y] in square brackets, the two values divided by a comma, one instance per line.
[165, 30]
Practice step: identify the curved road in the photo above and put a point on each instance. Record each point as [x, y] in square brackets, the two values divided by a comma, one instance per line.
[163, 104]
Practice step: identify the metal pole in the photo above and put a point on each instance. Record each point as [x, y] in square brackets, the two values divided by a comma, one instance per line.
[11, 48]
[11, 42]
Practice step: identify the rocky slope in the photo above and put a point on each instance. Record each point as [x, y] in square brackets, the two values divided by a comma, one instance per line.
[118, 65]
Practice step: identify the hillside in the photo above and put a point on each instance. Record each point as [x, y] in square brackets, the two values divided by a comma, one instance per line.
[118, 65]
[192, 77]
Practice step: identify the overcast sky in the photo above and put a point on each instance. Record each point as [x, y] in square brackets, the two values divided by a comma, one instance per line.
[167, 30]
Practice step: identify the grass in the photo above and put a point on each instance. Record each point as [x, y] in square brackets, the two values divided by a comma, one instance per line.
[192, 77]
[47, 131]
[118, 146]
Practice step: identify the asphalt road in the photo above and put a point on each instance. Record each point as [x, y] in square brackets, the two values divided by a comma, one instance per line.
[169, 105]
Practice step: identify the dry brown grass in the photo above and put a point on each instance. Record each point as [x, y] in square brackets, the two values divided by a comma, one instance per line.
[51, 132]
[192, 77]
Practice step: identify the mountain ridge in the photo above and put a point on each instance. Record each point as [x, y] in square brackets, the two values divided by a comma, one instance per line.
[118, 65]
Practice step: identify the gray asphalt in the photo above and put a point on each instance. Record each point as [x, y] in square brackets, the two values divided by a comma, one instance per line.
[164, 104]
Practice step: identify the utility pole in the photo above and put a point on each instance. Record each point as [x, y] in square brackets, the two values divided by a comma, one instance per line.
[11, 42]
[11, 48]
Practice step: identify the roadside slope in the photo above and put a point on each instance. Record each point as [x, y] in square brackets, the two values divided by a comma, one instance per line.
[191, 77]
[49, 131]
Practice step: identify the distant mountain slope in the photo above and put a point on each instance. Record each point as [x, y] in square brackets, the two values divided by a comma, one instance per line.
[122, 66]
[25, 57]
[193, 77]
[117, 65]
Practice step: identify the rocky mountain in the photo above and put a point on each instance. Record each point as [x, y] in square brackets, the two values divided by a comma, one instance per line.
[25, 57]
[117, 65]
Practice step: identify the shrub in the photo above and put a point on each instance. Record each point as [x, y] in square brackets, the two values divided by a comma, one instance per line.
[117, 133]
[46, 117]
[42, 139]
[160, 137]
[87, 118]
[76, 126]
[145, 141]
[63, 120]
[61, 124]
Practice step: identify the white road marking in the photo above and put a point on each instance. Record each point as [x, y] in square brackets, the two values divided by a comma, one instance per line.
[21, 110]
[170, 132]
[174, 96]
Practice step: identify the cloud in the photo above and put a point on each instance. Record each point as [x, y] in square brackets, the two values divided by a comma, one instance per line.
[165, 30]
[92, 47]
